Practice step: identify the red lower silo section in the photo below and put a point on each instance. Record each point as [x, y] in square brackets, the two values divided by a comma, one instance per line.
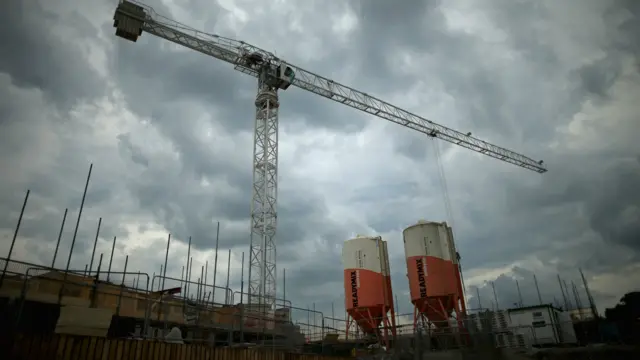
[366, 304]
[433, 288]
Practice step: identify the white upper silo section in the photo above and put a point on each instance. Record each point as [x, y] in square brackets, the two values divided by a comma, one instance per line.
[366, 252]
[427, 238]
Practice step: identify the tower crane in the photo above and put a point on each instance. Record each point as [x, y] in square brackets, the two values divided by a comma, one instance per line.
[132, 18]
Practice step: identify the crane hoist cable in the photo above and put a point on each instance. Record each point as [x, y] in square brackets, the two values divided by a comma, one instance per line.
[443, 183]
[448, 209]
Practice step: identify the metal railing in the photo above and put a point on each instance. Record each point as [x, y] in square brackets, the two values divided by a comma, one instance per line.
[153, 315]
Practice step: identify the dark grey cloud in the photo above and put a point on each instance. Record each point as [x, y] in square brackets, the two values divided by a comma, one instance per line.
[598, 77]
[132, 150]
[169, 132]
[36, 58]
[614, 215]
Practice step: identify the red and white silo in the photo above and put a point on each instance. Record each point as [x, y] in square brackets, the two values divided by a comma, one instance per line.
[432, 268]
[367, 287]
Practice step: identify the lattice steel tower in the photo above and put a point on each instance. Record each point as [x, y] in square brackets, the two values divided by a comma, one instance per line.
[264, 217]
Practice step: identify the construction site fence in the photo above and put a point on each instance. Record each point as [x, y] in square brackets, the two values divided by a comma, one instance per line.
[67, 347]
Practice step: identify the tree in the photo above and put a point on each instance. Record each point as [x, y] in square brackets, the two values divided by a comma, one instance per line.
[626, 315]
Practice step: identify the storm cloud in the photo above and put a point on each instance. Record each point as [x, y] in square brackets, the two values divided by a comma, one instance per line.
[169, 132]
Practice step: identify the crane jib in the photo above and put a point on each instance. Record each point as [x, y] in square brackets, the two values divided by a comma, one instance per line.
[130, 19]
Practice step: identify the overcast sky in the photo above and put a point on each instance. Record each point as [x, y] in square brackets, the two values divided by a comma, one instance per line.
[169, 132]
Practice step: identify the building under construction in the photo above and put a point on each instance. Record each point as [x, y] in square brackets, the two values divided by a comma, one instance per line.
[55, 301]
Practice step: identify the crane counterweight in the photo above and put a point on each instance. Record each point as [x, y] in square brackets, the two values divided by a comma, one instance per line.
[132, 18]
[128, 20]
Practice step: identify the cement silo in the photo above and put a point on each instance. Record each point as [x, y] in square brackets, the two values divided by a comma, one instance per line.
[367, 286]
[432, 269]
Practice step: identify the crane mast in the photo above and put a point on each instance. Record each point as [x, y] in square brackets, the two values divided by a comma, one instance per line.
[262, 258]
[132, 18]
